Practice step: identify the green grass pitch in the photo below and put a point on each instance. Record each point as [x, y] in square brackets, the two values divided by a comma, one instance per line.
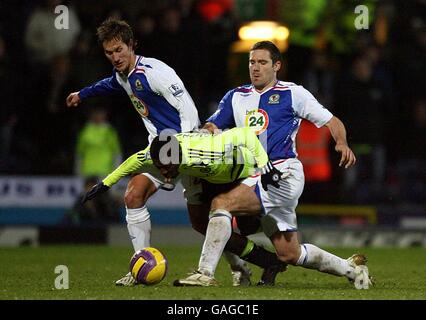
[29, 273]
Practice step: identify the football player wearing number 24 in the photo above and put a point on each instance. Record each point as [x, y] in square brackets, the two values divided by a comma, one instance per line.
[274, 109]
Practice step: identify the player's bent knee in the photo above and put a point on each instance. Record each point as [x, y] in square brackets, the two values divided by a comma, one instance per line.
[222, 202]
[133, 200]
[289, 258]
[138, 191]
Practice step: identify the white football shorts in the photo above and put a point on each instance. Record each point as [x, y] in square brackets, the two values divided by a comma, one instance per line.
[153, 174]
[279, 204]
[192, 188]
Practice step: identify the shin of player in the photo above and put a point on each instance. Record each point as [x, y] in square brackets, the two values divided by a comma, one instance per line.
[138, 191]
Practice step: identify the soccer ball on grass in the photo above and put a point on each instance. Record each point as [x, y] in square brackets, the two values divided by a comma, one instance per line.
[148, 266]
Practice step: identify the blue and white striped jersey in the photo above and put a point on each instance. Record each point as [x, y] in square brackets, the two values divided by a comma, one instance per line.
[156, 92]
[274, 114]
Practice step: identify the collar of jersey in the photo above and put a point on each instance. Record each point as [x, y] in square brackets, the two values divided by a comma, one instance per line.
[138, 58]
[260, 93]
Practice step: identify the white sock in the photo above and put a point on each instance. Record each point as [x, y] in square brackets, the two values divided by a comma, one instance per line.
[234, 261]
[218, 233]
[139, 227]
[312, 257]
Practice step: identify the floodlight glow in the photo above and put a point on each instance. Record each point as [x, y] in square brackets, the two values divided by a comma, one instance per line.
[265, 30]
[282, 33]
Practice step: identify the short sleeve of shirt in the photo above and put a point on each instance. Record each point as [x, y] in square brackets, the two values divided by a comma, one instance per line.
[223, 118]
[166, 82]
[307, 107]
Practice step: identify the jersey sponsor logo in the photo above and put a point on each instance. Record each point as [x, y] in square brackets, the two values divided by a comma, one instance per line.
[176, 90]
[140, 107]
[138, 85]
[274, 99]
[258, 120]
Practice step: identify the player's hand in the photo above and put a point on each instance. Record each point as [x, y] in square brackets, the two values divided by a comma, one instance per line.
[73, 100]
[205, 131]
[210, 128]
[270, 175]
[96, 190]
[347, 158]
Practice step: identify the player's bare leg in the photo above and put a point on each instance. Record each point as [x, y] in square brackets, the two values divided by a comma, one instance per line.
[219, 231]
[138, 191]
[309, 256]
[198, 215]
[241, 200]
[242, 248]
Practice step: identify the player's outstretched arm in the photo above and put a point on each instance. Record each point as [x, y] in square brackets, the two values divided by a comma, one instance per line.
[338, 132]
[103, 87]
[131, 165]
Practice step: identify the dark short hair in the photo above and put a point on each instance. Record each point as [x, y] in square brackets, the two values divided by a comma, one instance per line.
[271, 47]
[158, 143]
[112, 29]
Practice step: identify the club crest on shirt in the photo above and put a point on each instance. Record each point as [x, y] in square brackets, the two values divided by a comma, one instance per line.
[138, 85]
[274, 99]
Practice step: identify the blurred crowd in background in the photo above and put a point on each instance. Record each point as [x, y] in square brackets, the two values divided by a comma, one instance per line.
[373, 79]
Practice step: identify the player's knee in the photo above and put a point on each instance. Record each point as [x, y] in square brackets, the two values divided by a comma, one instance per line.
[133, 199]
[288, 257]
[138, 191]
[221, 202]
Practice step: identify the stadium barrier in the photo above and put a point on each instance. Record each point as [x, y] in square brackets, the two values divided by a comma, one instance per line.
[354, 211]
[117, 235]
[45, 201]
